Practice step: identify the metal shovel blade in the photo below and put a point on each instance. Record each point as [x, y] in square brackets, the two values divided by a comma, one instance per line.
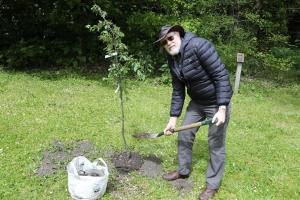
[148, 135]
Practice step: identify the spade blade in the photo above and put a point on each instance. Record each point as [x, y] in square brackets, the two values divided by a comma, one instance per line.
[148, 135]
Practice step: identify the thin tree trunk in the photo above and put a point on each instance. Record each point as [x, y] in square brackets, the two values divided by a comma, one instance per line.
[122, 111]
[121, 99]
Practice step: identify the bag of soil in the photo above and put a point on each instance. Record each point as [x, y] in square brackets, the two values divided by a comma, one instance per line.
[87, 180]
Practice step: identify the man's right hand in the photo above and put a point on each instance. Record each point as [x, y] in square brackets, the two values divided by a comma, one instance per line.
[170, 125]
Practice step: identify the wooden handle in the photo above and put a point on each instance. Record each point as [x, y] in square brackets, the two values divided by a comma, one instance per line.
[194, 125]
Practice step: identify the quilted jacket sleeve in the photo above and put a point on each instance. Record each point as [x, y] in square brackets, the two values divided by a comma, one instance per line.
[178, 96]
[213, 65]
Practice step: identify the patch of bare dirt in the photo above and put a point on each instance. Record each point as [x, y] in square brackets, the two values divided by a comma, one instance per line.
[119, 164]
[124, 162]
[127, 161]
[61, 154]
[151, 167]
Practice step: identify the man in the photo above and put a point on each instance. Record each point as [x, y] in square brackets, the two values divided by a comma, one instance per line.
[195, 66]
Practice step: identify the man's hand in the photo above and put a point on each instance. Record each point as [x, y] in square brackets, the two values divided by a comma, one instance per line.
[170, 125]
[219, 117]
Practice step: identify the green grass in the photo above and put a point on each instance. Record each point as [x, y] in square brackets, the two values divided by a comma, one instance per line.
[263, 139]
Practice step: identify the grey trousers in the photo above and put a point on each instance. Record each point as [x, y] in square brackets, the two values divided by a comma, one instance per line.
[216, 143]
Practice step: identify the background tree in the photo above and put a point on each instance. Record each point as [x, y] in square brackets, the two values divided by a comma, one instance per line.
[51, 34]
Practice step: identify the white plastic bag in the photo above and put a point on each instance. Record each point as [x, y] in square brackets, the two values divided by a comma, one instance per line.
[87, 180]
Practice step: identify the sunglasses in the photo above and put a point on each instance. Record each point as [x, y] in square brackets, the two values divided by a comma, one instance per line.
[170, 39]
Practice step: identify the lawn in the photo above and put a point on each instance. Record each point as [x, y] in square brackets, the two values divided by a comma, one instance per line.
[36, 109]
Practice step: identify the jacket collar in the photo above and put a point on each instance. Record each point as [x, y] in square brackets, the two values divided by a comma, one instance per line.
[184, 42]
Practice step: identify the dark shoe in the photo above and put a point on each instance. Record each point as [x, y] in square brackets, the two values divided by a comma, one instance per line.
[207, 194]
[171, 176]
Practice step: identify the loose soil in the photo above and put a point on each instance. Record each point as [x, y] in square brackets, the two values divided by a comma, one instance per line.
[61, 154]
[127, 161]
[151, 167]
[122, 163]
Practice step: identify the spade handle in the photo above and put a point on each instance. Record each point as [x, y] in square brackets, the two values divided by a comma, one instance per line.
[194, 125]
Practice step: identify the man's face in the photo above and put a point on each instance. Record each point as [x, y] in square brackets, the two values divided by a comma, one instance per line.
[172, 43]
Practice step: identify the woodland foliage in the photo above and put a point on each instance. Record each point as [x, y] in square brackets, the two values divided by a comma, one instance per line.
[52, 34]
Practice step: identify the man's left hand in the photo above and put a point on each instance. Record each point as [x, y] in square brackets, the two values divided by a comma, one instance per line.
[220, 116]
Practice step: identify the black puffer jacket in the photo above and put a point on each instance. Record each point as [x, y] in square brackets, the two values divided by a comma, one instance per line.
[202, 72]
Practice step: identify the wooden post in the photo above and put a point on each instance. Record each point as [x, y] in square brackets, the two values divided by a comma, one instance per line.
[240, 60]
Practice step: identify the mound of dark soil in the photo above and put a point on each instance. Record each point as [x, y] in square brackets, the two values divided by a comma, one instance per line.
[127, 161]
